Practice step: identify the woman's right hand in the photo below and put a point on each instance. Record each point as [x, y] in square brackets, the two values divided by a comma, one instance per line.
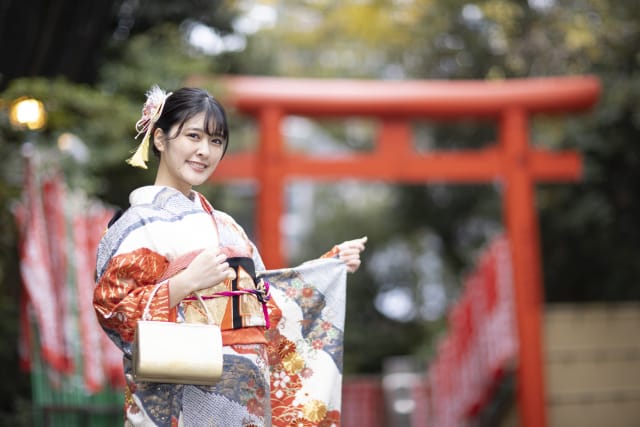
[207, 269]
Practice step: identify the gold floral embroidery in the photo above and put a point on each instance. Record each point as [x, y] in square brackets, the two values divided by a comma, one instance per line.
[314, 410]
[293, 363]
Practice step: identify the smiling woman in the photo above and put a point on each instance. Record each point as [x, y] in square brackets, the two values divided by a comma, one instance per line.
[171, 245]
[190, 154]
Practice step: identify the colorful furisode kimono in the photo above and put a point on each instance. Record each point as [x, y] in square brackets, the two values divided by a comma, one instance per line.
[282, 337]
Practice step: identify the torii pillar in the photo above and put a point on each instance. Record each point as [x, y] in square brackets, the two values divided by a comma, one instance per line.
[512, 161]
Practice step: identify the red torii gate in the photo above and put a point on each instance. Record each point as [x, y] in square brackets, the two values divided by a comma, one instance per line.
[512, 160]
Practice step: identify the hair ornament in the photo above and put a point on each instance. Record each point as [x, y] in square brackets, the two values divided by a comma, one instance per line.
[151, 112]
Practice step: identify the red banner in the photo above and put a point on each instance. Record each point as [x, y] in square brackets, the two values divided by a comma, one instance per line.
[59, 235]
[36, 271]
[53, 194]
[481, 342]
[90, 333]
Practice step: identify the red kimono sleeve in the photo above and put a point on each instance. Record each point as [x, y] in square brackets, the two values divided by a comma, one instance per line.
[124, 288]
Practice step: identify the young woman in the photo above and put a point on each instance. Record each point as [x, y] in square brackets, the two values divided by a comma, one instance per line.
[173, 241]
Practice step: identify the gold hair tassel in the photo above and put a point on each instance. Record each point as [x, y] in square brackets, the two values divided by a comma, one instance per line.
[141, 155]
[151, 112]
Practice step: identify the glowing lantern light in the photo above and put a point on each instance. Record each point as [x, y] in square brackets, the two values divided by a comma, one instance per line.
[28, 113]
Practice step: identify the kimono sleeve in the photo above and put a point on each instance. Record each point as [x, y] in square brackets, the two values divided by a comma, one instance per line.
[122, 292]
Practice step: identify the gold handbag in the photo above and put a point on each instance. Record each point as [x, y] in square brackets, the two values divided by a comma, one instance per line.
[178, 353]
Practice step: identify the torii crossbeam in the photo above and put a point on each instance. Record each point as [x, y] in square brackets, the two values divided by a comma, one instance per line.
[512, 160]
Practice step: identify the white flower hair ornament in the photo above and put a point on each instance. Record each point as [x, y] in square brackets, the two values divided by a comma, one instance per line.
[151, 112]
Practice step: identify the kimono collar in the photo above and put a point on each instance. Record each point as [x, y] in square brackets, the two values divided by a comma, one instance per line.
[162, 197]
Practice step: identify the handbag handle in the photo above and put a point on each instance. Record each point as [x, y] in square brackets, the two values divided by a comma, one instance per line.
[147, 316]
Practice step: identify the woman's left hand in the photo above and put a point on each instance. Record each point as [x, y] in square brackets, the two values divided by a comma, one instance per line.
[349, 253]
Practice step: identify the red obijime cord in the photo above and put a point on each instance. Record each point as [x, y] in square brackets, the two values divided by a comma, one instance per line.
[262, 295]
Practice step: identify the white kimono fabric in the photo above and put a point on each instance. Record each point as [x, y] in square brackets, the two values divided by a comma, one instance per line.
[288, 374]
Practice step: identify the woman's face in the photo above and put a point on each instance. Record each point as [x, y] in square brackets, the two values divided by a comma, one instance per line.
[188, 158]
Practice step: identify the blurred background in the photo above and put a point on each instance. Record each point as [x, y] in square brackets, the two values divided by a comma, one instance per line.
[89, 63]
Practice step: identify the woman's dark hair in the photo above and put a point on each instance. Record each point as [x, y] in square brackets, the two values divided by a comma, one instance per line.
[187, 102]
